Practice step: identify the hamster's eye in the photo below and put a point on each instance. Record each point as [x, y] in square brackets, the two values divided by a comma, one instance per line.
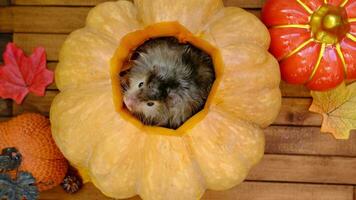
[140, 84]
[150, 104]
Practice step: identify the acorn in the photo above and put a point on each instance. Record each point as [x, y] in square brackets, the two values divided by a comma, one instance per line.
[72, 182]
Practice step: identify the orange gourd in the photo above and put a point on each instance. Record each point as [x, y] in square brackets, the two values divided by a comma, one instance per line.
[31, 135]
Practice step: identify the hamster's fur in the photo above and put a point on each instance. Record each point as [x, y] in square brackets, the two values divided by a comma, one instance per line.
[168, 82]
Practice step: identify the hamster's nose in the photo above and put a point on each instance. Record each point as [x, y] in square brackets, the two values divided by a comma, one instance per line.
[130, 103]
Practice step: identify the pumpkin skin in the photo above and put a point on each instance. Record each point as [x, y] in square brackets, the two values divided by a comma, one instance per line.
[314, 40]
[30, 133]
[214, 149]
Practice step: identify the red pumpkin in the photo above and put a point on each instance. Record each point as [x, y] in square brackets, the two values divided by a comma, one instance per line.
[314, 40]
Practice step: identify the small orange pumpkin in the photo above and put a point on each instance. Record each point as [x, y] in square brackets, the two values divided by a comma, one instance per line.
[31, 134]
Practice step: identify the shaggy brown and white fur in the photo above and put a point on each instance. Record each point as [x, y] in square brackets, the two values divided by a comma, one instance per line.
[168, 82]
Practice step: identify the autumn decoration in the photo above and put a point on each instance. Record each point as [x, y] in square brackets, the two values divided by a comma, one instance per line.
[315, 43]
[314, 40]
[21, 74]
[31, 135]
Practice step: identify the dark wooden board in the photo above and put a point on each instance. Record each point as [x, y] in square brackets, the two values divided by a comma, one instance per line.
[305, 169]
[239, 3]
[245, 191]
[5, 38]
[6, 20]
[5, 2]
[31, 19]
[5, 108]
[293, 140]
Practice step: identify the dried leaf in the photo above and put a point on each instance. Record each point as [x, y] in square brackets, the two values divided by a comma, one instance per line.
[22, 74]
[23, 187]
[338, 107]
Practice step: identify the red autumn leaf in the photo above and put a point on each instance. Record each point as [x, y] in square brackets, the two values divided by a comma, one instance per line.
[21, 74]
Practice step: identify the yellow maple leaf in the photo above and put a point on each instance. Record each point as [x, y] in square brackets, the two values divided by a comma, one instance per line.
[338, 107]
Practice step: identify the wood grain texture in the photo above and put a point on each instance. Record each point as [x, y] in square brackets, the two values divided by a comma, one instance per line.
[5, 108]
[6, 20]
[307, 141]
[282, 191]
[295, 111]
[5, 2]
[33, 103]
[48, 19]
[88, 192]
[245, 191]
[51, 42]
[289, 90]
[4, 39]
[239, 3]
[245, 3]
[306, 169]
[42, 19]
[58, 2]
[31, 19]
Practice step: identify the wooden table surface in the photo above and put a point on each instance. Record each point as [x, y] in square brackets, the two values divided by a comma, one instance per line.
[299, 163]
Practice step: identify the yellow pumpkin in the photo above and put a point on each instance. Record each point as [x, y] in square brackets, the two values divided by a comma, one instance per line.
[214, 149]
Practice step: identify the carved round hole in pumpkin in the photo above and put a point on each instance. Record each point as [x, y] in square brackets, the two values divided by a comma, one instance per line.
[127, 53]
[167, 83]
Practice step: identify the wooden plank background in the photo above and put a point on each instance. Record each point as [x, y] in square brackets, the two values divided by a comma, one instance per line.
[300, 162]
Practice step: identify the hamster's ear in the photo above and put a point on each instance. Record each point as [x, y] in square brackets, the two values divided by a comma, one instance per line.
[124, 81]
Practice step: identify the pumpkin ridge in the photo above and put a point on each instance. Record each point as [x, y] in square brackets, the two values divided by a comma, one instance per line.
[343, 3]
[342, 58]
[305, 7]
[298, 49]
[351, 37]
[120, 155]
[316, 67]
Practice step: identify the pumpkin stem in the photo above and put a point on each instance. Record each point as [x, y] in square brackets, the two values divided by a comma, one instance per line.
[329, 24]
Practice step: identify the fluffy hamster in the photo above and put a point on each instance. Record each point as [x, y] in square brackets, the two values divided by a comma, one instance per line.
[168, 82]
